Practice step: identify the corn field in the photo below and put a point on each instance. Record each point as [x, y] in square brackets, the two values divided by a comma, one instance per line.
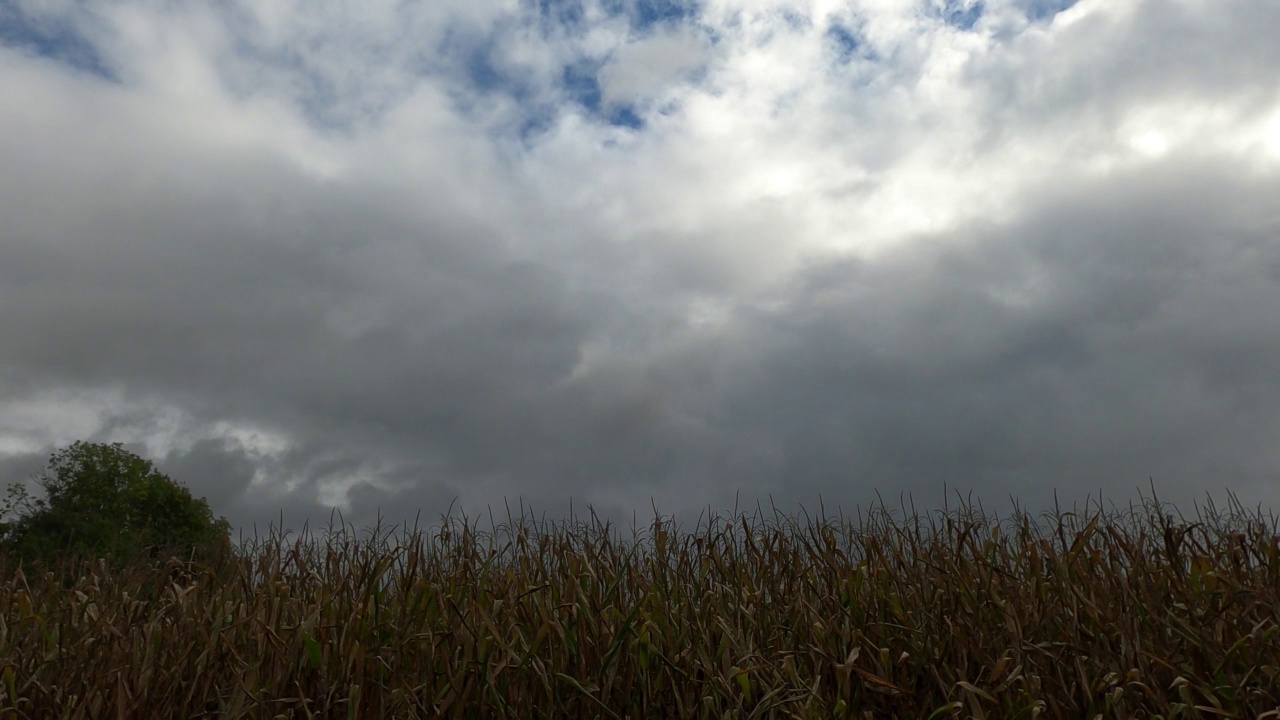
[1097, 614]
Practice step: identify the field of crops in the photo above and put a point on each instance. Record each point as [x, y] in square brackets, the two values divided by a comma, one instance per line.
[1135, 613]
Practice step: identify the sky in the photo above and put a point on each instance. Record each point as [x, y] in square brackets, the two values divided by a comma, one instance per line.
[391, 258]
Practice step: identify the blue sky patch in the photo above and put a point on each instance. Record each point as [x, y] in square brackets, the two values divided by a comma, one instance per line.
[56, 40]
[581, 82]
[959, 14]
[1046, 9]
[796, 21]
[566, 14]
[844, 41]
[644, 14]
[584, 88]
[535, 124]
[626, 116]
[483, 73]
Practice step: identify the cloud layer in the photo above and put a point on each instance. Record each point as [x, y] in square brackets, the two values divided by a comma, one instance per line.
[379, 257]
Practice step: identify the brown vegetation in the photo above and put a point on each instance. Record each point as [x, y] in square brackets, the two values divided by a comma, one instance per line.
[1074, 615]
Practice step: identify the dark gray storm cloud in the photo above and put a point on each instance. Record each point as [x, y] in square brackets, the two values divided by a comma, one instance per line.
[1041, 259]
[1115, 332]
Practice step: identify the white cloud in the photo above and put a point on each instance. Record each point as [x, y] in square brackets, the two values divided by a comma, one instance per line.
[391, 236]
[642, 69]
[32, 423]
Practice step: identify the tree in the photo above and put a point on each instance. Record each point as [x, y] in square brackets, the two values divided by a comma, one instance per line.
[103, 500]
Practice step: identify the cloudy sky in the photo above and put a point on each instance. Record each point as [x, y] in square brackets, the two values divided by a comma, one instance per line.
[317, 254]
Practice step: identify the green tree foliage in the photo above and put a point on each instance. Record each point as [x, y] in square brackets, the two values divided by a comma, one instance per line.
[101, 500]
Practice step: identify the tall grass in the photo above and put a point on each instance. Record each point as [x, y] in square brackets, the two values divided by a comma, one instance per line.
[1119, 614]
